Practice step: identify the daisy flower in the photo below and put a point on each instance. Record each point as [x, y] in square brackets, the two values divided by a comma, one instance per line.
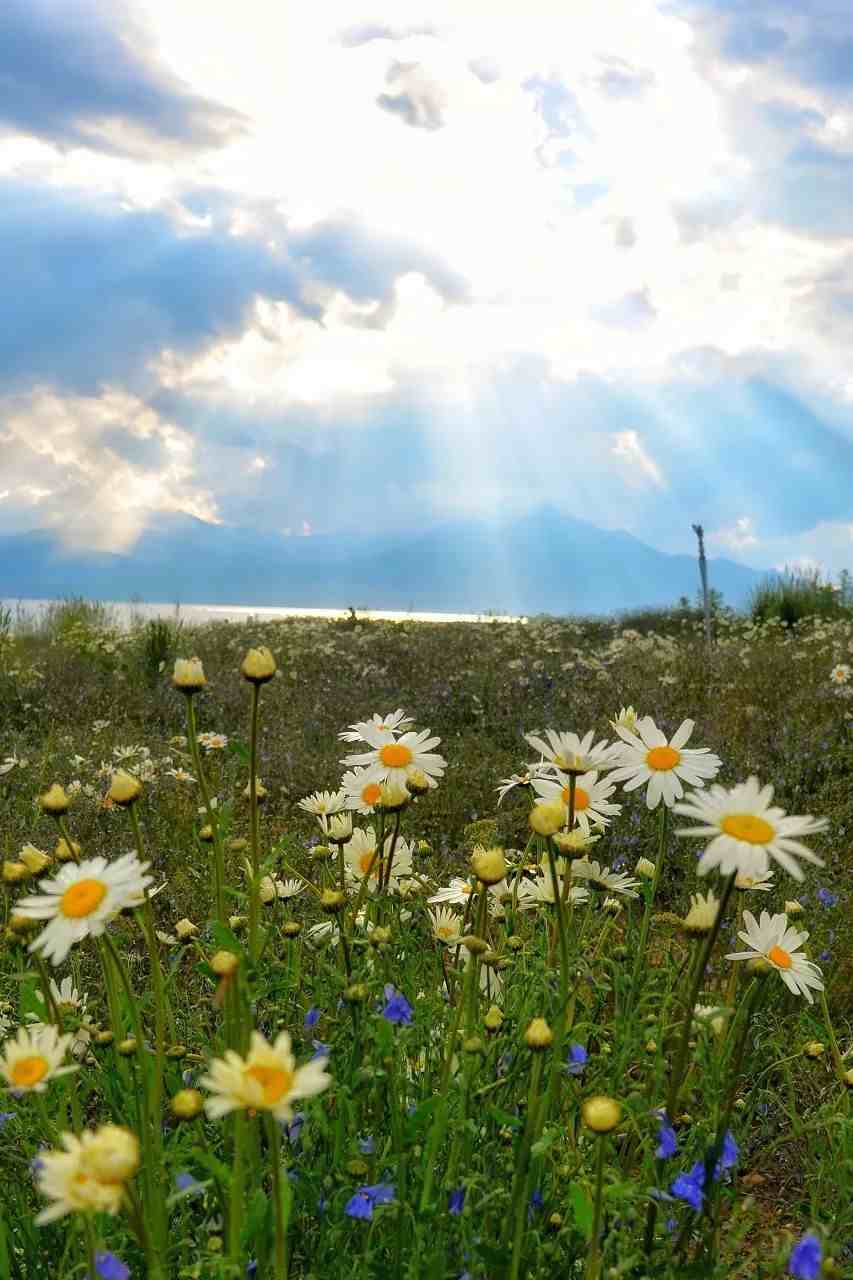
[568, 752]
[33, 1058]
[763, 882]
[362, 789]
[267, 1079]
[68, 1000]
[360, 858]
[457, 892]
[516, 780]
[81, 899]
[89, 1175]
[446, 925]
[626, 719]
[590, 797]
[774, 939]
[395, 756]
[647, 759]
[540, 892]
[322, 803]
[839, 674]
[385, 724]
[747, 831]
[605, 878]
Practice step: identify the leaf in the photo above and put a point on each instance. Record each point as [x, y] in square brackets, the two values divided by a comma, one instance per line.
[549, 1137]
[220, 1171]
[582, 1210]
[240, 750]
[224, 937]
[419, 1119]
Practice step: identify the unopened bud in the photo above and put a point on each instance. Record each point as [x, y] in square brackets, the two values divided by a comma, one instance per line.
[474, 944]
[258, 666]
[332, 901]
[187, 1104]
[206, 834]
[185, 929]
[188, 675]
[54, 801]
[291, 928]
[379, 937]
[645, 868]
[124, 789]
[494, 1019]
[489, 865]
[34, 859]
[547, 818]
[814, 1049]
[127, 1047]
[601, 1114]
[538, 1035]
[14, 872]
[356, 994]
[224, 963]
[63, 852]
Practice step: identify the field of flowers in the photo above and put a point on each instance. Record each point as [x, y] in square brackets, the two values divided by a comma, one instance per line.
[371, 949]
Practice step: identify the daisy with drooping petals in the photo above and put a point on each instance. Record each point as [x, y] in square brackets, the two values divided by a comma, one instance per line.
[604, 877]
[747, 831]
[762, 882]
[647, 759]
[774, 939]
[362, 789]
[385, 724]
[525, 779]
[267, 1079]
[33, 1058]
[446, 926]
[68, 1000]
[539, 892]
[81, 899]
[323, 803]
[569, 753]
[457, 892]
[395, 756]
[591, 797]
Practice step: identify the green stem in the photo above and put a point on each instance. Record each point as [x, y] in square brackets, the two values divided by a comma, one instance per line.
[593, 1266]
[235, 1206]
[282, 1210]
[837, 1060]
[562, 1013]
[639, 963]
[210, 813]
[150, 936]
[518, 1203]
[254, 887]
[91, 1249]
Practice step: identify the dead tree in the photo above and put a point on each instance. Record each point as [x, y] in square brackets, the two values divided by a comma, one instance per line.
[706, 595]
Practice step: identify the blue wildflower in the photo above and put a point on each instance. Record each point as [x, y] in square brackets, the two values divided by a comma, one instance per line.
[806, 1258]
[252, 1269]
[397, 1008]
[5, 1117]
[294, 1129]
[729, 1155]
[456, 1201]
[361, 1205]
[366, 1145]
[109, 1267]
[312, 1017]
[689, 1186]
[537, 1202]
[826, 899]
[320, 1050]
[577, 1059]
[186, 1182]
[667, 1142]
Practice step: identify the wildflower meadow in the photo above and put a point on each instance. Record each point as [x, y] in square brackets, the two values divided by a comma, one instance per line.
[375, 950]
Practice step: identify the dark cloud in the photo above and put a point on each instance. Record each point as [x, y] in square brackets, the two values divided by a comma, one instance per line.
[70, 67]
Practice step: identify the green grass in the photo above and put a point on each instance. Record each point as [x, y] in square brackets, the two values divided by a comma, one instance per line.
[76, 693]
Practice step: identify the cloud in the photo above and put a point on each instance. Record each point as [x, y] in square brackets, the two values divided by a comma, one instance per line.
[628, 447]
[83, 72]
[741, 535]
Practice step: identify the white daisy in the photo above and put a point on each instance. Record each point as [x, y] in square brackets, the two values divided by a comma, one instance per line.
[773, 938]
[517, 780]
[89, 1175]
[747, 831]
[69, 1000]
[362, 789]
[267, 1079]
[566, 751]
[361, 859]
[385, 724]
[540, 892]
[605, 877]
[627, 719]
[321, 803]
[647, 759]
[446, 925]
[458, 892]
[318, 935]
[590, 797]
[34, 1057]
[840, 673]
[81, 899]
[764, 882]
[395, 756]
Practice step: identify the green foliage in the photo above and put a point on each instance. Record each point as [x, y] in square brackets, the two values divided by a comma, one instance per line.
[801, 593]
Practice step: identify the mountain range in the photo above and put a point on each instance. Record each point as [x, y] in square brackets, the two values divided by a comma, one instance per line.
[543, 562]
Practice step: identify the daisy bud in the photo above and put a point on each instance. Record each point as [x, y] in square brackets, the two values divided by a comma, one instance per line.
[651, 1046]
[758, 967]
[357, 993]
[475, 945]
[339, 827]
[555, 1221]
[424, 847]
[186, 929]
[645, 868]
[494, 1019]
[54, 801]
[206, 834]
[538, 1035]
[847, 1078]
[261, 792]
[417, 783]
[514, 942]
[321, 852]
[127, 1047]
[489, 865]
[814, 1049]
[238, 845]
[702, 915]
[176, 1052]
[14, 872]
[392, 799]
[187, 1104]
[258, 666]
[601, 1114]
[267, 890]
[236, 923]
[794, 908]
[573, 844]
[104, 1037]
[224, 963]
[332, 901]
[612, 906]
[291, 928]
[124, 789]
[22, 925]
[547, 818]
[65, 852]
[188, 675]
[34, 859]
[379, 937]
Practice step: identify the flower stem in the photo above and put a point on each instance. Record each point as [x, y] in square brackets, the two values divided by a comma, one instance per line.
[593, 1265]
[279, 1188]
[639, 963]
[255, 886]
[518, 1202]
[235, 1205]
[210, 813]
[837, 1060]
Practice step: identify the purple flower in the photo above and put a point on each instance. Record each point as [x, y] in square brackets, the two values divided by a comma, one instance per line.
[456, 1201]
[5, 1117]
[577, 1059]
[109, 1267]
[667, 1142]
[397, 1009]
[294, 1129]
[729, 1155]
[537, 1202]
[186, 1182]
[320, 1050]
[252, 1269]
[806, 1258]
[361, 1205]
[312, 1017]
[688, 1186]
[366, 1145]
[826, 899]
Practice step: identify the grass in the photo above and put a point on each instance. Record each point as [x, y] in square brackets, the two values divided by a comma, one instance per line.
[78, 697]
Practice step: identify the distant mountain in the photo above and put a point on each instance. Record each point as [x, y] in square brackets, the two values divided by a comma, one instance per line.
[543, 562]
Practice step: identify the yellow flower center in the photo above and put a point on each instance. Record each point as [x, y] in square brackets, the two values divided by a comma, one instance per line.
[274, 1081]
[746, 827]
[395, 755]
[82, 898]
[364, 862]
[779, 957]
[371, 793]
[446, 930]
[28, 1071]
[663, 758]
[581, 798]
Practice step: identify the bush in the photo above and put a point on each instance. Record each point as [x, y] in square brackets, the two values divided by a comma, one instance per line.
[798, 594]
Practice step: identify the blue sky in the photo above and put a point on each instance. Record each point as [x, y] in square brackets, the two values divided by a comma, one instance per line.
[351, 265]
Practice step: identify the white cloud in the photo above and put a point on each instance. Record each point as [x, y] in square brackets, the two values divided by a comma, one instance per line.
[741, 535]
[637, 462]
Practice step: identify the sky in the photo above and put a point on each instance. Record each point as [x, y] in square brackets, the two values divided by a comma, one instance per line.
[368, 267]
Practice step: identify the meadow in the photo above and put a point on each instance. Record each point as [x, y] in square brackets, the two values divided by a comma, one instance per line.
[470, 1015]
